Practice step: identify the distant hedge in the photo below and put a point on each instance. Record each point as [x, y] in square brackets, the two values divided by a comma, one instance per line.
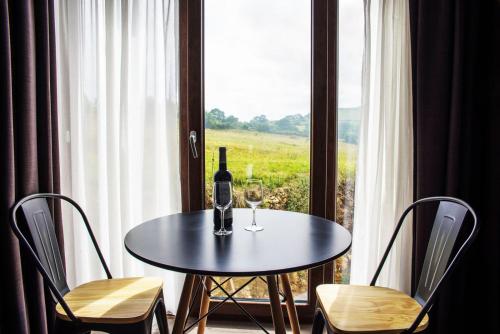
[296, 125]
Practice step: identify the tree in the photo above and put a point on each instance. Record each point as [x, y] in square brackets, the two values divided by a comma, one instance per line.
[296, 125]
[216, 119]
[285, 125]
[349, 131]
[231, 122]
[260, 123]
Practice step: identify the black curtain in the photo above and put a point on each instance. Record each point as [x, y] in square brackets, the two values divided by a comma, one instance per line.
[456, 78]
[28, 151]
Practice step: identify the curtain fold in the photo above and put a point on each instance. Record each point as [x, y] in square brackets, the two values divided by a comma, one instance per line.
[384, 177]
[118, 94]
[28, 152]
[456, 71]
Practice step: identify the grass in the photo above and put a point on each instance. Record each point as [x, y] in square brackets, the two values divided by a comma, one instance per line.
[276, 159]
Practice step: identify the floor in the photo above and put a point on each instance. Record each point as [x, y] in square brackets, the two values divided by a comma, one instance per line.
[227, 327]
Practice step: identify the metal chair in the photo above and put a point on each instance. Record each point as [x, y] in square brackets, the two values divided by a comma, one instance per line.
[366, 309]
[125, 305]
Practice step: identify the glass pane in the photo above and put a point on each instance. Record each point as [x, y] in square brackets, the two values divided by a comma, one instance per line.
[351, 42]
[257, 104]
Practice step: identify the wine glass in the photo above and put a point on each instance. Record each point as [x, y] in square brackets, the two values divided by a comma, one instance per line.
[254, 196]
[223, 198]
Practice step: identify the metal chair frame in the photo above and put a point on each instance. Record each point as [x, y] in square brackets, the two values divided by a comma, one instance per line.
[320, 319]
[76, 325]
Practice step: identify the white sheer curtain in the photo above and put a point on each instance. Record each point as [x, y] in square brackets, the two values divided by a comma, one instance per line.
[384, 180]
[118, 103]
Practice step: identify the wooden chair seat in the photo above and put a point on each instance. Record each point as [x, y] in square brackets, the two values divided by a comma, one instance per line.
[368, 309]
[113, 301]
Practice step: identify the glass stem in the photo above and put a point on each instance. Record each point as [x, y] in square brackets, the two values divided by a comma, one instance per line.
[222, 220]
[254, 223]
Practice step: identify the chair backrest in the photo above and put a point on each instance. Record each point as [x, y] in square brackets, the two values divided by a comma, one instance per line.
[42, 232]
[437, 265]
[44, 247]
[449, 219]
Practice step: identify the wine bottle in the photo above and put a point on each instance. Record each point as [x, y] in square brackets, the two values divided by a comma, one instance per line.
[223, 175]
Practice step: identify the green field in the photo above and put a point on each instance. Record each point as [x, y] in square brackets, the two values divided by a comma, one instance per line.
[273, 158]
[282, 162]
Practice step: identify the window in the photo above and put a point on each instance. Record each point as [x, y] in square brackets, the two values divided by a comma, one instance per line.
[257, 104]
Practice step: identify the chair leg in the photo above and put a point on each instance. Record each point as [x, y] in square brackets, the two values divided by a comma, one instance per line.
[67, 327]
[161, 317]
[143, 327]
[318, 323]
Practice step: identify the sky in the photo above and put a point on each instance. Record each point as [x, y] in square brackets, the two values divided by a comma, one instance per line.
[258, 56]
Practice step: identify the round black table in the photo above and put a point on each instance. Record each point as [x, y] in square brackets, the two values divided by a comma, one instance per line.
[290, 242]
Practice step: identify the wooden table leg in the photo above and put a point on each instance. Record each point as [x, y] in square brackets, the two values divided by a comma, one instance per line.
[277, 313]
[204, 304]
[290, 304]
[183, 308]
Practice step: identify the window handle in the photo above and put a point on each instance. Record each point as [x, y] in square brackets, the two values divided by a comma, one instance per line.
[192, 143]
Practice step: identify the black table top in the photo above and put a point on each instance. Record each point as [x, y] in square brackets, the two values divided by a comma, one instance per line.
[290, 242]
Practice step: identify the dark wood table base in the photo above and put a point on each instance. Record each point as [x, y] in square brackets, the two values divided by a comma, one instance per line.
[183, 308]
[290, 304]
[274, 296]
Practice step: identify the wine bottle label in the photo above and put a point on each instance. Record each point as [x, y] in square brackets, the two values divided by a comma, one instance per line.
[228, 214]
[224, 195]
